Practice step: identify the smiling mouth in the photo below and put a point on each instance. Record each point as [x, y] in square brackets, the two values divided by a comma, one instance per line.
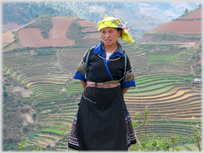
[108, 40]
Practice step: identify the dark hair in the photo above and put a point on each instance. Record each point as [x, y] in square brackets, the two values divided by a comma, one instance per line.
[120, 29]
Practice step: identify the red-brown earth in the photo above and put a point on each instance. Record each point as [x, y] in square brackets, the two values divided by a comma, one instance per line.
[182, 26]
[57, 35]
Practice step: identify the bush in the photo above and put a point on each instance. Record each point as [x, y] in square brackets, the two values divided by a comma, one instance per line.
[34, 115]
[74, 31]
[57, 68]
[5, 94]
[25, 128]
[153, 144]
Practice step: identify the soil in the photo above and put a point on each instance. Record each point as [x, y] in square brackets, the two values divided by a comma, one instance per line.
[24, 92]
[28, 119]
[191, 26]
[32, 37]
[8, 36]
[46, 111]
[87, 23]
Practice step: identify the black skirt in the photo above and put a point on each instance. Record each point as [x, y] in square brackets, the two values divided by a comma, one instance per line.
[102, 121]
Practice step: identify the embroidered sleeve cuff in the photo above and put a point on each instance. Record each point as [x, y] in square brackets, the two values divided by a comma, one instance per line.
[79, 76]
[127, 84]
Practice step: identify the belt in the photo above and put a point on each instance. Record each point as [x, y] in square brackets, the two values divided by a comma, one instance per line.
[108, 84]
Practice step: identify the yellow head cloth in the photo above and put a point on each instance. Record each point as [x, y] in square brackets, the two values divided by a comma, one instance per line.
[115, 23]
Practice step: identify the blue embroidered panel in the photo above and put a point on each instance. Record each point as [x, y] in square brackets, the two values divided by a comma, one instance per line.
[127, 84]
[109, 73]
[79, 76]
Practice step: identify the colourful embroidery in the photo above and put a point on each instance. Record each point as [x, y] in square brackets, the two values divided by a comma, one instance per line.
[129, 76]
[108, 84]
[81, 67]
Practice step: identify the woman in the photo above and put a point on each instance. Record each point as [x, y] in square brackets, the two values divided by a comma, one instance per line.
[102, 121]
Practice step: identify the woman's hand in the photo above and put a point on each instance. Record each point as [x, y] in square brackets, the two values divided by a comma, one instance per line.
[83, 84]
[124, 90]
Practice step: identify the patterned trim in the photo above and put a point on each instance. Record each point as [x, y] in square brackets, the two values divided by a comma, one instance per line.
[73, 140]
[110, 22]
[130, 135]
[81, 67]
[129, 76]
[108, 84]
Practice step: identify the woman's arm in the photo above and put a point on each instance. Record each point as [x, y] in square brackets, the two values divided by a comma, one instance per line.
[124, 90]
[83, 84]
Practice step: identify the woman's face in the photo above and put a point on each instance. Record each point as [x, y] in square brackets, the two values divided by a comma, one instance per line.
[110, 36]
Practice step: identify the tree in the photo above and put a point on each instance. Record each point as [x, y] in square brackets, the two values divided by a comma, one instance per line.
[5, 94]
[186, 11]
[36, 16]
[25, 128]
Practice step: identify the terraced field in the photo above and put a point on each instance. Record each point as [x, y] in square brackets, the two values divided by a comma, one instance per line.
[174, 104]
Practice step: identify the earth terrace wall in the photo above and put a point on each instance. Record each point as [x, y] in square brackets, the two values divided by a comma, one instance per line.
[187, 19]
[169, 37]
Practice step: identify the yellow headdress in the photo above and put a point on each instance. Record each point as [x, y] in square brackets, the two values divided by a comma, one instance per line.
[115, 23]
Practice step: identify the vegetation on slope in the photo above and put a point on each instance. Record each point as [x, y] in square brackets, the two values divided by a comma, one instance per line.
[44, 23]
[48, 72]
[74, 31]
[24, 12]
[186, 12]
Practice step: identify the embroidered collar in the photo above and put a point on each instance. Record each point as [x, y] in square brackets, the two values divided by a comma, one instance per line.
[101, 51]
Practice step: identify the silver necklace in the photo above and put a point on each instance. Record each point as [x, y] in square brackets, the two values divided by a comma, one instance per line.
[109, 59]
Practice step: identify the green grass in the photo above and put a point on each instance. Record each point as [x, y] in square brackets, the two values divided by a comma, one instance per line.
[54, 131]
[149, 93]
[150, 83]
[160, 58]
[61, 126]
[146, 79]
[153, 87]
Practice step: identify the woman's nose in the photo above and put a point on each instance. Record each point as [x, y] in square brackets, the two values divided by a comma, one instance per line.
[107, 34]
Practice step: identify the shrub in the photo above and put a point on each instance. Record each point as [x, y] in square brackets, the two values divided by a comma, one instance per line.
[34, 115]
[44, 24]
[57, 68]
[74, 31]
[5, 94]
[153, 144]
[25, 128]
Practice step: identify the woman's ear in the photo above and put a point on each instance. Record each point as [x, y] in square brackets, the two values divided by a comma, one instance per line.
[119, 33]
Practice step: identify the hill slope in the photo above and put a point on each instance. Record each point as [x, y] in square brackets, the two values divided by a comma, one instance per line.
[181, 30]
[52, 31]
[140, 16]
[188, 24]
